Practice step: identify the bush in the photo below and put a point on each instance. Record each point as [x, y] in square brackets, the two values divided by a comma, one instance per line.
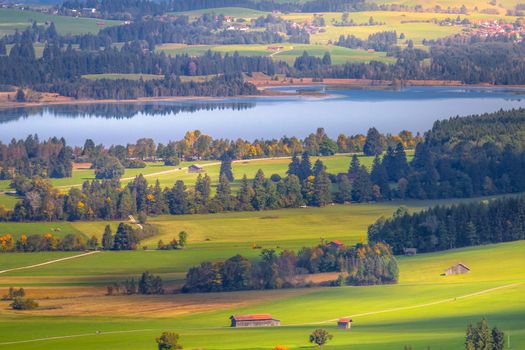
[134, 164]
[172, 161]
[24, 304]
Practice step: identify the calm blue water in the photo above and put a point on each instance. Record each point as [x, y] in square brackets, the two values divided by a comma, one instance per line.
[345, 111]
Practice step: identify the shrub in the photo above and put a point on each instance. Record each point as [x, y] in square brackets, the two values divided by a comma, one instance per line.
[172, 161]
[23, 304]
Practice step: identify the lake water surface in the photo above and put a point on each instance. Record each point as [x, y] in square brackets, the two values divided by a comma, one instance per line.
[347, 111]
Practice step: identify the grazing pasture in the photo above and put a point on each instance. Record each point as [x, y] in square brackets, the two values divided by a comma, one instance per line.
[12, 19]
[288, 54]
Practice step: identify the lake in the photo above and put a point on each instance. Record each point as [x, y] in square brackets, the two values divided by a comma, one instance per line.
[348, 111]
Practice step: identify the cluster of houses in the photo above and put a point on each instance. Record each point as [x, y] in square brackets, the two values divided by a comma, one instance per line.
[487, 29]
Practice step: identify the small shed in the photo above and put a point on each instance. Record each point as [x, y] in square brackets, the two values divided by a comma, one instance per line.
[457, 269]
[254, 320]
[195, 168]
[335, 244]
[344, 323]
[410, 251]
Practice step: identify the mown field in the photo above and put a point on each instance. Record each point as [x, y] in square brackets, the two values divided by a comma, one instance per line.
[288, 54]
[424, 310]
[11, 19]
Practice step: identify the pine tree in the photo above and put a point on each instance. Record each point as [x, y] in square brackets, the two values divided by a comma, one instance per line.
[224, 196]
[260, 197]
[124, 239]
[318, 167]
[294, 168]
[379, 177]
[498, 339]
[354, 167]
[107, 238]
[362, 187]
[245, 195]
[306, 167]
[322, 189]
[226, 168]
[373, 144]
[178, 199]
[344, 192]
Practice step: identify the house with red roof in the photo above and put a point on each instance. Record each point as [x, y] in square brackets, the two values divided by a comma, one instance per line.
[335, 244]
[344, 323]
[254, 320]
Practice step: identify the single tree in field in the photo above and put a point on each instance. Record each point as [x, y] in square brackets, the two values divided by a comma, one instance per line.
[183, 238]
[320, 337]
[168, 341]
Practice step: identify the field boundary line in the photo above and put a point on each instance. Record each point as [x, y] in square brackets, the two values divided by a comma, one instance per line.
[470, 295]
[49, 262]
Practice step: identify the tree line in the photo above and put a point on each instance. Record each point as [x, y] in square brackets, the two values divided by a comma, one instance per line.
[360, 265]
[456, 226]
[54, 159]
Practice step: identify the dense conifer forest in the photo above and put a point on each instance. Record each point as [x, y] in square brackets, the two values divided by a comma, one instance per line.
[442, 227]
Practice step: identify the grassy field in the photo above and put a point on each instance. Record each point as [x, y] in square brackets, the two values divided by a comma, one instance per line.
[168, 175]
[11, 19]
[424, 310]
[288, 53]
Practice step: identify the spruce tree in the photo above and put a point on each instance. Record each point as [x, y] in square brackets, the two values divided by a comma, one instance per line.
[373, 144]
[226, 168]
[260, 196]
[224, 196]
[306, 167]
[107, 238]
[245, 195]
[322, 189]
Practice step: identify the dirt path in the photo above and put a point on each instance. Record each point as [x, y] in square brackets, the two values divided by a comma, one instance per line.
[49, 262]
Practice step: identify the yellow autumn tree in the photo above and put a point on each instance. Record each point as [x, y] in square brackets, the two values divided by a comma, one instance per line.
[280, 347]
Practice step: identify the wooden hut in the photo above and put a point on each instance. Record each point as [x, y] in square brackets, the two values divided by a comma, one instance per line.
[195, 168]
[457, 269]
[344, 323]
[410, 251]
[254, 320]
[335, 244]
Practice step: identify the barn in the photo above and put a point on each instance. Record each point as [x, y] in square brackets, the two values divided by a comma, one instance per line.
[335, 244]
[254, 320]
[195, 168]
[457, 269]
[344, 323]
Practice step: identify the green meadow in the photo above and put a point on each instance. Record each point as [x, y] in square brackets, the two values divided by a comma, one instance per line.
[424, 310]
[12, 19]
[288, 54]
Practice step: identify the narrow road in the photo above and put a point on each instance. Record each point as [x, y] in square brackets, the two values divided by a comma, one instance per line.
[49, 262]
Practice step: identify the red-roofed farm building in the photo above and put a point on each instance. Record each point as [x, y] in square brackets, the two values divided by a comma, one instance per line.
[254, 320]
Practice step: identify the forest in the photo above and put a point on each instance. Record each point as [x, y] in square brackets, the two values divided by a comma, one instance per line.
[449, 227]
[129, 9]
[448, 163]
[360, 265]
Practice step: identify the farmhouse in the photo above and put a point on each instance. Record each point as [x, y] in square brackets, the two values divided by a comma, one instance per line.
[335, 244]
[410, 251]
[195, 168]
[457, 269]
[254, 320]
[344, 323]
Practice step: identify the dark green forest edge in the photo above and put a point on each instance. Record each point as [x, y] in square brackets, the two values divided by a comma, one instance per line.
[130, 48]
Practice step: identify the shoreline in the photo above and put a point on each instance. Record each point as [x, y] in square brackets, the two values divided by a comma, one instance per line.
[264, 86]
